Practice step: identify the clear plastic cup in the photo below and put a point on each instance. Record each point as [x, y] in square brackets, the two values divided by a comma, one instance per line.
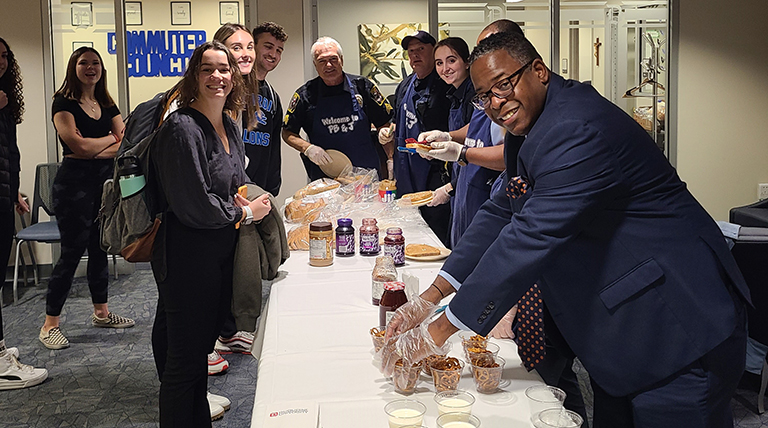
[487, 379]
[447, 380]
[454, 402]
[558, 418]
[457, 420]
[478, 355]
[404, 378]
[543, 397]
[377, 337]
[470, 338]
[403, 413]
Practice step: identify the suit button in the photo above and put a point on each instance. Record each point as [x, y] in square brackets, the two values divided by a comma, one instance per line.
[486, 312]
[480, 320]
[491, 305]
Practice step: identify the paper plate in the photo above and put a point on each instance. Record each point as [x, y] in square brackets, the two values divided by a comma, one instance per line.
[339, 161]
[444, 253]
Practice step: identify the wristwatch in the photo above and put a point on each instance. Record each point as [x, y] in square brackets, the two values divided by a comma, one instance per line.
[463, 156]
[248, 215]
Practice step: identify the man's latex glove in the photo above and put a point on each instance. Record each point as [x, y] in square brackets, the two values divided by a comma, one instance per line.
[448, 151]
[441, 196]
[317, 155]
[409, 316]
[386, 135]
[412, 346]
[503, 329]
[391, 169]
[432, 136]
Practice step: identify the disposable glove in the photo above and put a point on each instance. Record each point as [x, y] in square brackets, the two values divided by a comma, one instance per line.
[317, 155]
[440, 196]
[448, 151]
[409, 315]
[412, 346]
[386, 135]
[503, 329]
[432, 136]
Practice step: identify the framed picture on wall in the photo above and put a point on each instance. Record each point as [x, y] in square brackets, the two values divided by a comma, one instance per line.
[181, 13]
[229, 11]
[133, 13]
[82, 14]
[78, 45]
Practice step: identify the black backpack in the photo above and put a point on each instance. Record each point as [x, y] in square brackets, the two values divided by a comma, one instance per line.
[129, 225]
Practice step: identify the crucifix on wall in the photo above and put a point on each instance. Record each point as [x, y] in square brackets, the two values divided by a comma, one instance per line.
[597, 45]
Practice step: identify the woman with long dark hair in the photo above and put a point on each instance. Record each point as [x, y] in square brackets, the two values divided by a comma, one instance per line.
[89, 127]
[13, 375]
[198, 161]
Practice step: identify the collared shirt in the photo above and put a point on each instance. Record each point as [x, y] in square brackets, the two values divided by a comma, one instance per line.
[301, 110]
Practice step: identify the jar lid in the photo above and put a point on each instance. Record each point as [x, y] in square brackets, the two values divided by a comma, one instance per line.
[394, 231]
[369, 221]
[345, 222]
[394, 286]
[320, 226]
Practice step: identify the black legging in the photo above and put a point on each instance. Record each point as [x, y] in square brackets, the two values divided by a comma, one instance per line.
[7, 228]
[76, 201]
[194, 296]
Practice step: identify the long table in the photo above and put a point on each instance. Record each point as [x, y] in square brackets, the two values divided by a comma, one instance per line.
[316, 356]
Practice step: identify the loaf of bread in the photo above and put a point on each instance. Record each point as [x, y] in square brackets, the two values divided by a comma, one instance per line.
[298, 238]
[303, 211]
[315, 187]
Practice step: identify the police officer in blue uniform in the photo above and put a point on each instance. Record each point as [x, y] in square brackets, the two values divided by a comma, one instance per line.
[421, 105]
[336, 111]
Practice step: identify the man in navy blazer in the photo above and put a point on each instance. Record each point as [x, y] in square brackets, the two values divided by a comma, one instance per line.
[634, 272]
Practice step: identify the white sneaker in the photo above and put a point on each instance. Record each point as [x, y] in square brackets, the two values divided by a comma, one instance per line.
[216, 363]
[14, 375]
[217, 412]
[242, 342]
[220, 400]
[14, 351]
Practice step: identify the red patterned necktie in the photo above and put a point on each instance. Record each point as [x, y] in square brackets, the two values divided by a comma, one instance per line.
[530, 332]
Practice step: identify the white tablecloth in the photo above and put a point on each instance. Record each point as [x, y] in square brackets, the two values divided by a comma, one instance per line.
[317, 354]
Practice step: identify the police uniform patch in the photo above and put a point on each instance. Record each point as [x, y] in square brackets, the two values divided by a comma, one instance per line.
[376, 95]
[294, 102]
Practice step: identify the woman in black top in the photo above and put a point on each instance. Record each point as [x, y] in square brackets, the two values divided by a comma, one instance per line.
[198, 162]
[13, 374]
[89, 126]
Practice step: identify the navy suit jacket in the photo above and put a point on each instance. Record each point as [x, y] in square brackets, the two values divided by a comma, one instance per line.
[634, 271]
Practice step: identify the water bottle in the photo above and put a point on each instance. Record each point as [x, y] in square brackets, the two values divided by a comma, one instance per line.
[131, 177]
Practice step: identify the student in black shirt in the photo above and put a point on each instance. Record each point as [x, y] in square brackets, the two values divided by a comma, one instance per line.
[89, 127]
[198, 162]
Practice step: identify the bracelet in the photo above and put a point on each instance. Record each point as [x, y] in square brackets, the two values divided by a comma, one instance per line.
[117, 139]
[439, 290]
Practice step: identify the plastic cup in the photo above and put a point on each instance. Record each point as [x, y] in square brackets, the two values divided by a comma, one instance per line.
[558, 418]
[487, 379]
[403, 413]
[454, 402]
[457, 420]
[478, 355]
[378, 341]
[469, 338]
[405, 378]
[447, 380]
[543, 397]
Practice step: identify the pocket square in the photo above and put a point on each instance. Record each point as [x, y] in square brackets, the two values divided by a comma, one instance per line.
[517, 187]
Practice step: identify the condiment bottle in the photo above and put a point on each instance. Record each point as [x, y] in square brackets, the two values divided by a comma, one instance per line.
[369, 237]
[384, 271]
[345, 238]
[393, 298]
[320, 243]
[387, 190]
[394, 245]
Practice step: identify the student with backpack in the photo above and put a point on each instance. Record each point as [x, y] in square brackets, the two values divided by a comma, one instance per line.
[197, 162]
